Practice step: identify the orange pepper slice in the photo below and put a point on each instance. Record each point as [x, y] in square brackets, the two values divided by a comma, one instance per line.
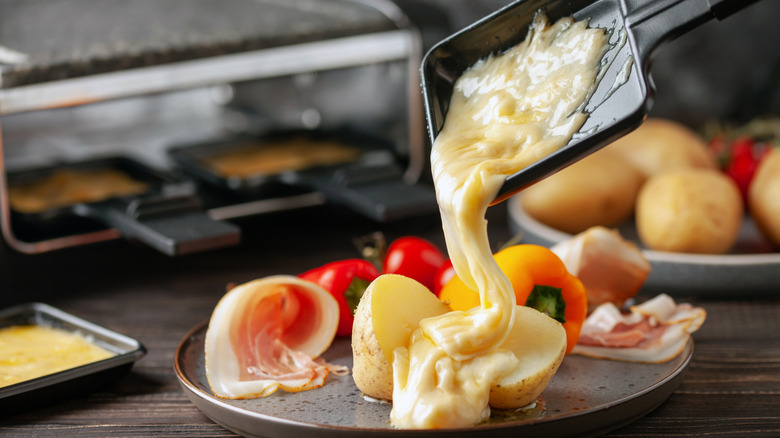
[527, 266]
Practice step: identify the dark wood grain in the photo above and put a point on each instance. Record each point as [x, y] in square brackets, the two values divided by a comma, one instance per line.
[731, 389]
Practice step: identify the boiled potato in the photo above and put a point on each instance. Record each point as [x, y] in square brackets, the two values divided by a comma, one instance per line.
[539, 343]
[389, 311]
[689, 210]
[600, 189]
[764, 197]
[381, 325]
[659, 145]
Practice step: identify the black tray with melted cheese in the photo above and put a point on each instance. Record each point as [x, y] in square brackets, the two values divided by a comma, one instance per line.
[157, 208]
[355, 170]
[256, 165]
[72, 382]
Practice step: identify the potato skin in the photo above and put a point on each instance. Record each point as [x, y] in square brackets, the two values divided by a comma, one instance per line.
[372, 373]
[523, 393]
[539, 343]
[689, 211]
[764, 197]
[600, 189]
[660, 145]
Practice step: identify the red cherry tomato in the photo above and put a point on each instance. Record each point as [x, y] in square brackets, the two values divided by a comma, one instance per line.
[746, 154]
[739, 158]
[443, 275]
[415, 258]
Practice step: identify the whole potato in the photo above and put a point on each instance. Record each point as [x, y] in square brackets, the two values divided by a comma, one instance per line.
[764, 197]
[600, 189]
[689, 210]
[659, 145]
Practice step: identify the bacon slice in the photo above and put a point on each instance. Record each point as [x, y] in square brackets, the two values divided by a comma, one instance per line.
[266, 335]
[653, 332]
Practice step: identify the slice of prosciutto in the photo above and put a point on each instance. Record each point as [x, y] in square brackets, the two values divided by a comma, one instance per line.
[653, 332]
[611, 268]
[267, 334]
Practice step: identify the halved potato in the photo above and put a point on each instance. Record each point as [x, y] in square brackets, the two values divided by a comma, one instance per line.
[389, 311]
[539, 343]
[392, 308]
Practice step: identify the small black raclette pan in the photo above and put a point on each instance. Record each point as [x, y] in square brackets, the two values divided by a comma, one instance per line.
[156, 208]
[71, 382]
[624, 95]
[254, 165]
[355, 170]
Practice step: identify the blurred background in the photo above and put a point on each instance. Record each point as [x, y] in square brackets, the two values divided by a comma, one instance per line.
[165, 84]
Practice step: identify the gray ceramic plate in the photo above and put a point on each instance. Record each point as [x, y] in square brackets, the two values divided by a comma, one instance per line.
[750, 269]
[586, 397]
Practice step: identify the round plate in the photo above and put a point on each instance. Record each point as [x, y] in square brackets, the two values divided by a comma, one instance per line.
[750, 269]
[586, 397]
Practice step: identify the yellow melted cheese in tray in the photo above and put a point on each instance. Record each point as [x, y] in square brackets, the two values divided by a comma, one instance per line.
[67, 187]
[260, 159]
[31, 351]
[507, 111]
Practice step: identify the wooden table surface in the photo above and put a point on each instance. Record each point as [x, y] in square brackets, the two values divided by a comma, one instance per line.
[732, 387]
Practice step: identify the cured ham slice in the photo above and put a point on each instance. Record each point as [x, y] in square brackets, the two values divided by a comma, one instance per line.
[653, 332]
[267, 335]
[611, 268]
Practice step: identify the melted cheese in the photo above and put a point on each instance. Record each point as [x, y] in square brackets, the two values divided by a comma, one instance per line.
[31, 351]
[67, 187]
[258, 159]
[507, 112]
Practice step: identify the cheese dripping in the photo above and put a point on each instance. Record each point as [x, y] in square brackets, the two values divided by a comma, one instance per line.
[506, 112]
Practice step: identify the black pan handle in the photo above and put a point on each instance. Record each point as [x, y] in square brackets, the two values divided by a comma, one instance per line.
[723, 8]
[651, 23]
[173, 225]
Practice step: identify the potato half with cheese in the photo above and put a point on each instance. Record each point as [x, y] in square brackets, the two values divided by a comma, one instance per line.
[389, 311]
[382, 325]
[539, 343]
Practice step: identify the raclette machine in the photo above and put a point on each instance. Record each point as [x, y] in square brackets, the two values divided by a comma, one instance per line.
[80, 80]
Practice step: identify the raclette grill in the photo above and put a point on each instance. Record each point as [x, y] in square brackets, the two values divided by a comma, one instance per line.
[65, 55]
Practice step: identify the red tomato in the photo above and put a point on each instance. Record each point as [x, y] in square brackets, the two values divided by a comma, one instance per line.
[739, 158]
[415, 258]
[443, 275]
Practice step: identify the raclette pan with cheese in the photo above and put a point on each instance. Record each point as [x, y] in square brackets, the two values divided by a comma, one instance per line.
[358, 171]
[160, 209]
[637, 28]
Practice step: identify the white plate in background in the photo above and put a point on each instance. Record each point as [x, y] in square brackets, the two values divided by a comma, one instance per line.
[741, 273]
